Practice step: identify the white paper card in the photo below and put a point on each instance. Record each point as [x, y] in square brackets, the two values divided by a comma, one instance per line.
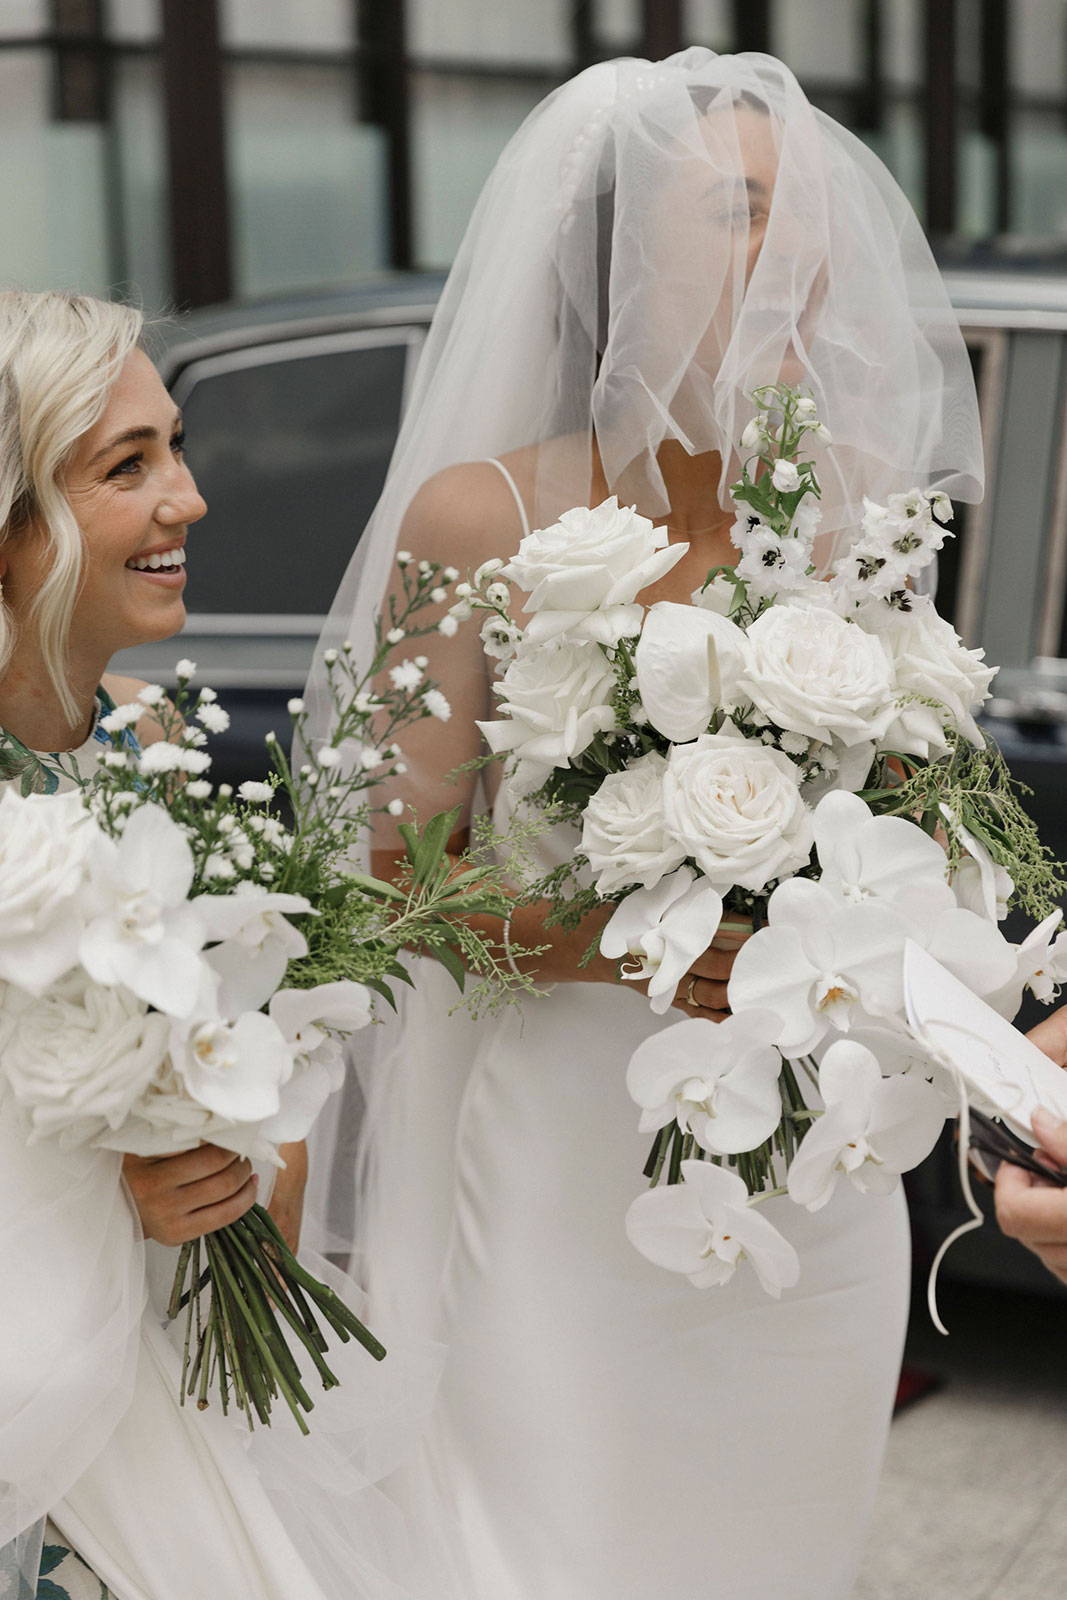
[961, 1032]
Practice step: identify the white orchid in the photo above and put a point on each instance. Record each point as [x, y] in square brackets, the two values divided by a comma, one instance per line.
[717, 1081]
[258, 942]
[664, 929]
[706, 1226]
[864, 856]
[872, 1130]
[1040, 965]
[233, 1069]
[144, 933]
[309, 1021]
[980, 884]
[820, 964]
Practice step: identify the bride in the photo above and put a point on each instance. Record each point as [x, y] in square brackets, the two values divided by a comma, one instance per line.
[656, 240]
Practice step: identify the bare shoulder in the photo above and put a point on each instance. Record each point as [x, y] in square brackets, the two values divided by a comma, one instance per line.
[122, 690]
[466, 513]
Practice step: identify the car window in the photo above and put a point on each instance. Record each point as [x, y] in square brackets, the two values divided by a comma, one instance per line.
[289, 443]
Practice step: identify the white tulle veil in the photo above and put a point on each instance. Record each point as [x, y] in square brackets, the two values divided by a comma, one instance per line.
[655, 241]
[604, 288]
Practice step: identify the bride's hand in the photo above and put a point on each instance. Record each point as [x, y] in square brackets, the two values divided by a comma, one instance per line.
[702, 992]
[185, 1196]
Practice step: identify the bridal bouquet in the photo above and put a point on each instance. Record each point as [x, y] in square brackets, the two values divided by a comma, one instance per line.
[796, 754]
[180, 964]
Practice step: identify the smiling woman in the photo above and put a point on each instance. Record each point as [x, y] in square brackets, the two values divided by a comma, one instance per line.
[96, 501]
[95, 505]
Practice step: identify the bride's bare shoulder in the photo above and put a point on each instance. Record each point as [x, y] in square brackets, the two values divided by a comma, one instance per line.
[466, 513]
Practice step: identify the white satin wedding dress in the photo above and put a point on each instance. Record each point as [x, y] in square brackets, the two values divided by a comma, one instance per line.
[605, 1431]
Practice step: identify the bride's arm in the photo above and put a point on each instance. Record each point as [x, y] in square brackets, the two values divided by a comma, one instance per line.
[460, 518]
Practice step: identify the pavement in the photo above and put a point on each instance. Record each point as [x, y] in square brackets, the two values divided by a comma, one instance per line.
[973, 1501]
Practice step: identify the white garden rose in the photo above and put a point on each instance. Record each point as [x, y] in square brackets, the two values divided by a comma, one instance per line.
[624, 833]
[78, 1058]
[554, 703]
[809, 670]
[735, 807]
[45, 845]
[583, 574]
[929, 660]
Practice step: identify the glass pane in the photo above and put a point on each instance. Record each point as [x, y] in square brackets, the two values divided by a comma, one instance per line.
[20, 19]
[825, 49]
[135, 21]
[52, 177]
[617, 24]
[485, 30]
[311, 25]
[139, 152]
[708, 22]
[308, 180]
[460, 127]
[291, 486]
[1039, 162]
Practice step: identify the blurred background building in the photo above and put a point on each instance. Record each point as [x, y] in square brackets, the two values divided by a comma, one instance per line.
[188, 151]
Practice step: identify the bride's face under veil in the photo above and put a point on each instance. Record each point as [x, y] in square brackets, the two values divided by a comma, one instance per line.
[656, 241]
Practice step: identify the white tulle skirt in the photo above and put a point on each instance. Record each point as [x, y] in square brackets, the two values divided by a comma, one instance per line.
[188, 1505]
[603, 1430]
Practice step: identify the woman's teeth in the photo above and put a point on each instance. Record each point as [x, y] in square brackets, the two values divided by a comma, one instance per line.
[158, 561]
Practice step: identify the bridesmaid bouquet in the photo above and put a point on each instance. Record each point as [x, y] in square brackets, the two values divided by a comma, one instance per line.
[179, 964]
[791, 753]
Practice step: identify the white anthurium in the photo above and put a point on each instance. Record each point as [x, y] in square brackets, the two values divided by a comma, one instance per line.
[687, 662]
[820, 963]
[980, 884]
[706, 1227]
[663, 929]
[862, 855]
[1038, 964]
[258, 942]
[309, 1020]
[717, 1081]
[872, 1130]
[144, 933]
[233, 1069]
[46, 844]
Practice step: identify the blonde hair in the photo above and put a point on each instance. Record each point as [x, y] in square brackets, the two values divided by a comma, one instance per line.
[59, 356]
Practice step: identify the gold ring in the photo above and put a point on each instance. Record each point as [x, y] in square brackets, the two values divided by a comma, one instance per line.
[689, 1000]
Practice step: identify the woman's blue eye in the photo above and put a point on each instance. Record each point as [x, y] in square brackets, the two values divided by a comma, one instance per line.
[127, 467]
[177, 442]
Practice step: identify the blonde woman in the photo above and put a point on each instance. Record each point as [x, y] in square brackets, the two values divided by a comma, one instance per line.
[144, 1502]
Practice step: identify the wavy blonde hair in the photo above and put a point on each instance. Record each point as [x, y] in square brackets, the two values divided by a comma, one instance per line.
[59, 356]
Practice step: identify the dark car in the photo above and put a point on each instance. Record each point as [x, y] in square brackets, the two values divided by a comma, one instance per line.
[292, 408]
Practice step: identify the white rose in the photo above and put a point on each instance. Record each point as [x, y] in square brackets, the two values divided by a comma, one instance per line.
[583, 574]
[929, 659]
[45, 845]
[624, 833]
[554, 703]
[735, 807]
[79, 1057]
[811, 671]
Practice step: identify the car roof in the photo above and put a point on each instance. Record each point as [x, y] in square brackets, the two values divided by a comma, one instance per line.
[391, 297]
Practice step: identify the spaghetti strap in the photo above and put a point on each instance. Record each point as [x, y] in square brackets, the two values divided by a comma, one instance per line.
[513, 486]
